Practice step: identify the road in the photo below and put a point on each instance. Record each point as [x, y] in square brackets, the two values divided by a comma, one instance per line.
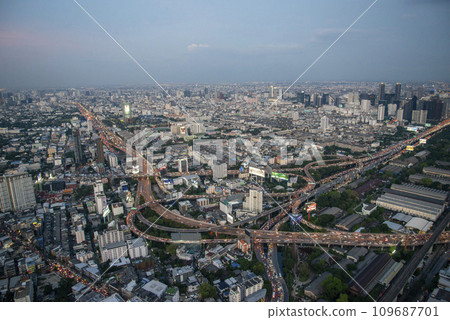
[408, 270]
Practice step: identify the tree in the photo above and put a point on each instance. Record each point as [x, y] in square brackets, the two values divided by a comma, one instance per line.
[172, 248]
[205, 290]
[258, 268]
[333, 287]
[342, 298]
[304, 271]
[426, 182]
[318, 266]
[141, 200]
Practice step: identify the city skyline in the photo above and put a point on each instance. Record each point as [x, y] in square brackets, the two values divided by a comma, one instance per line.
[48, 44]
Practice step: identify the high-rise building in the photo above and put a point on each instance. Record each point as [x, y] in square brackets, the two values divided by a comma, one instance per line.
[324, 123]
[183, 165]
[98, 187]
[113, 162]
[16, 192]
[78, 152]
[365, 105]
[398, 91]
[79, 235]
[400, 117]
[392, 109]
[112, 245]
[100, 154]
[381, 91]
[254, 201]
[381, 110]
[219, 171]
[126, 111]
[419, 116]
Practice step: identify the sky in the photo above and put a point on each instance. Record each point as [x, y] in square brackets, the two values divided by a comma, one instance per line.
[55, 44]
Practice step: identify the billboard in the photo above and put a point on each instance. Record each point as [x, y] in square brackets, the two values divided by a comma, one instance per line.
[280, 176]
[409, 148]
[412, 128]
[106, 212]
[423, 141]
[311, 206]
[256, 172]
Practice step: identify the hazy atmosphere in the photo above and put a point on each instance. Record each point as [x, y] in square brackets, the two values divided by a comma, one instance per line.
[54, 43]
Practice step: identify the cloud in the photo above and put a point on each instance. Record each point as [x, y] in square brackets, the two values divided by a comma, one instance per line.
[325, 34]
[194, 46]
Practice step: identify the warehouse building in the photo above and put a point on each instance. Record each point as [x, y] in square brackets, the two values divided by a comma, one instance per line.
[420, 191]
[349, 222]
[414, 200]
[369, 277]
[437, 172]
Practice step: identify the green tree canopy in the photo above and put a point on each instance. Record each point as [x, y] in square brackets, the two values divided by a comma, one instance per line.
[333, 287]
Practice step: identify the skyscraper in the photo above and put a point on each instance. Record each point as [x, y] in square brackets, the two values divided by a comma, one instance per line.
[100, 155]
[381, 91]
[254, 201]
[400, 117]
[380, 116]
[78, 152]
[16, 192]
[126, 111]
[324, 123]
[398, 91]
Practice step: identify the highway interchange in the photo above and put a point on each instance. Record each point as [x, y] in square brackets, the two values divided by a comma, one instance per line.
[269, 233]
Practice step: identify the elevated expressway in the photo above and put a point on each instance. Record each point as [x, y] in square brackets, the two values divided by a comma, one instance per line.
[332, 237]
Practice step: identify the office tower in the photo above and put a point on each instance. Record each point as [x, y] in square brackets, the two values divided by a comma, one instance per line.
[400, 117]
[365, 105]
[446, 109]
[301, 97]
[392, 109]
[126, 111]
[271, 92]
[183, 165]
[434, 106]
[380, 116]
[398, 91]
[100, 155]
[381, 91]
[16, 192]
[98, 187]
[101, 205]
[254, 201]
[219, 171]
[419, 116]
[325, 98]
[78, 152]
[324, 123]
[307, 100]
[113, 162]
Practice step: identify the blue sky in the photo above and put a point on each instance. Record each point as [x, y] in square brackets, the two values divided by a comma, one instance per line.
[54, 43]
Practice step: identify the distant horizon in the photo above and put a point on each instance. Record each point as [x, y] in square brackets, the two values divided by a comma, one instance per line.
[191, 84]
